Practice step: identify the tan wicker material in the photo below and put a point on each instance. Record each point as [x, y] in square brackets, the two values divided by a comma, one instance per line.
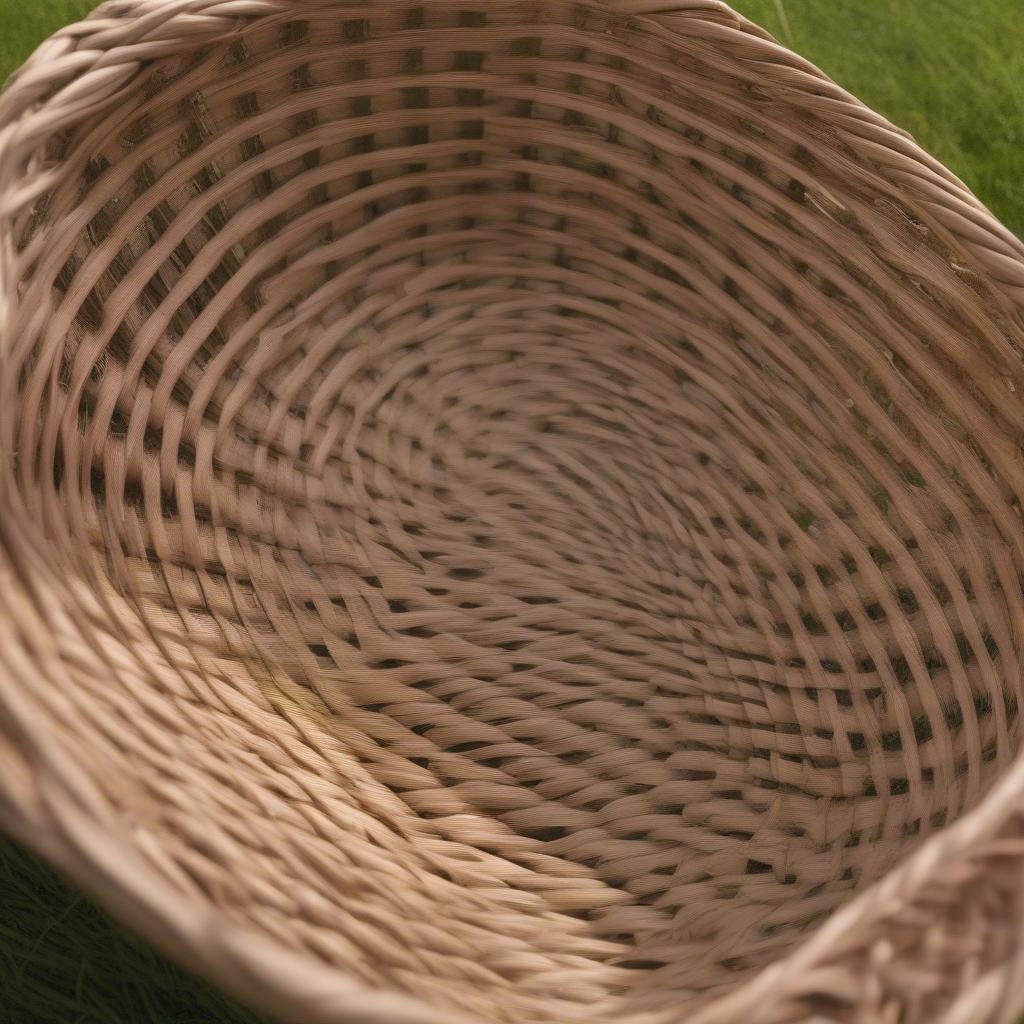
[510, 512]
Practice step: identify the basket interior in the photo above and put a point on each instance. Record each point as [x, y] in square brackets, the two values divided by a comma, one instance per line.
[553, 502]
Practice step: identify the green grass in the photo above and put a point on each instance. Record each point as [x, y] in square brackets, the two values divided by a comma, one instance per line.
[62, 961]
[24, 24]
[950, 71]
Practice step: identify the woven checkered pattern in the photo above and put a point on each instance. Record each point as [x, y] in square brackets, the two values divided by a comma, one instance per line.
[509, 512]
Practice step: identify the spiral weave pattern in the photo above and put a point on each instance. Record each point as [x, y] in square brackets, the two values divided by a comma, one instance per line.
[509, 512]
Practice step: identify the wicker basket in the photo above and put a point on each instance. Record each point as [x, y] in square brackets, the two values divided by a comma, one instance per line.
[510, 512]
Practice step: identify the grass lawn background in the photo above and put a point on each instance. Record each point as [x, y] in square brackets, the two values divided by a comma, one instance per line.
[949, 71]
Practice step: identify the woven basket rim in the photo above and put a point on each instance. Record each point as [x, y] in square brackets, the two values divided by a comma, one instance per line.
[81, 69]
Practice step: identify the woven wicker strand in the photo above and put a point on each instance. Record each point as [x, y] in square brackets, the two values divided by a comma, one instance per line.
[510, 512]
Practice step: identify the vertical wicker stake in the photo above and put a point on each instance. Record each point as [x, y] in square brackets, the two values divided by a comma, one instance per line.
[510, 512]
